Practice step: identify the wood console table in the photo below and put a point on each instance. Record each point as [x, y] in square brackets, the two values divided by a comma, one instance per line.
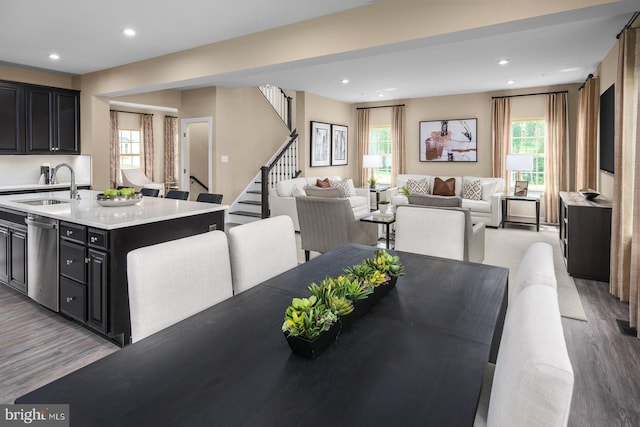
[585, 235]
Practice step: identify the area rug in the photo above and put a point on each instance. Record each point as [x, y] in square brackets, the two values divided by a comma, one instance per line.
[505, 247]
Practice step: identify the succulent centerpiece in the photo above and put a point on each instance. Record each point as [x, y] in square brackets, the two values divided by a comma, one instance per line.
[311, 324]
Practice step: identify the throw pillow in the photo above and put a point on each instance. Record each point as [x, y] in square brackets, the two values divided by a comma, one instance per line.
[297, 191]
[488, 188]
[314, 191]
[418, 186]
[471, 189]
[323, 183]
[444, 188]
[345, 186]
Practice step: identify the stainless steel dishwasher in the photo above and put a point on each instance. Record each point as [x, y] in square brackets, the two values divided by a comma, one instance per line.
[42, 261]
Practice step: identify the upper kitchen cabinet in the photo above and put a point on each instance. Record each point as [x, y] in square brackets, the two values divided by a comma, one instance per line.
[38, 119]
[11, 118]
[52, 121]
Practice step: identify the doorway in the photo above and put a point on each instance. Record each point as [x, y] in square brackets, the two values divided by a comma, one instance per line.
[196, 155]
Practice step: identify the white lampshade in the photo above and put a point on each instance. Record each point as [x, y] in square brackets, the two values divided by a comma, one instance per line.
[372, 161]
[519, 162]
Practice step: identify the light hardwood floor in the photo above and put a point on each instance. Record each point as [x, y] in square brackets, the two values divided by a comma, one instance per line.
[37, 346]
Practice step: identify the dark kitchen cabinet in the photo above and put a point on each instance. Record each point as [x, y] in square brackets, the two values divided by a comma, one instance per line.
[84, 275]
[38, 119]
[52, 121]
[12, 118]
[13, 250]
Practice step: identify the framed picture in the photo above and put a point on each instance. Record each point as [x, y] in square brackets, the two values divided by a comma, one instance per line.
[521, 188]
[339, 145]
[320, 144]
[449, 140]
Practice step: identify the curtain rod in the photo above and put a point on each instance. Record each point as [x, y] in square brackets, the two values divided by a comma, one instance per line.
[380, 106]
[589, 77]
[530, 94]
[132, 112]
[629, 24]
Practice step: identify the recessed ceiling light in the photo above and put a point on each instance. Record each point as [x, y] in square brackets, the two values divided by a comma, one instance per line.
[380, 95]
[129, 32]
[504, 61]
[569, 70]
[510, 82]
[345, 81]
[54, 56]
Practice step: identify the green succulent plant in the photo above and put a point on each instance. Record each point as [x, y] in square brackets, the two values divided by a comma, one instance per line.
[386, 263]
[307, 317]
[404, 191]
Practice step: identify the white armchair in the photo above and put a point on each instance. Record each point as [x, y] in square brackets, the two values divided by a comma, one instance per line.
[439, 231]
[136, 178]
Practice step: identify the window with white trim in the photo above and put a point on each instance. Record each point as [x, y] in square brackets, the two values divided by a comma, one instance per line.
[130, 148]
[380, 143]
[528, 137]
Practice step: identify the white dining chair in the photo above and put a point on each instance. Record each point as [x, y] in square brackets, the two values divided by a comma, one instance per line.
[136, 178]
[171, 281]
[532, 381]
[535, 268]
[261, 250]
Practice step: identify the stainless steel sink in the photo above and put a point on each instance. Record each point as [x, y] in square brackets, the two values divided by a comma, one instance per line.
[41, 202]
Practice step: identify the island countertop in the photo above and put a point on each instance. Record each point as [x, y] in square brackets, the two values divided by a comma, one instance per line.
[87, 211]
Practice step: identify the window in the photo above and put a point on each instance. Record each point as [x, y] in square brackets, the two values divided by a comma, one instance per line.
[130, 149]
[380, 143]
[527, 137]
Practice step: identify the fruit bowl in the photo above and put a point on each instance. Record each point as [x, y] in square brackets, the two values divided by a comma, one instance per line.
[114, 201]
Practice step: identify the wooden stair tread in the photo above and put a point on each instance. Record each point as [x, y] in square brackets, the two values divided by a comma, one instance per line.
[245, 213]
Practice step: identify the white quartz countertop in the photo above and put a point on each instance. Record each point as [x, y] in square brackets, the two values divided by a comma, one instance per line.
[87, 211]
[41, 187]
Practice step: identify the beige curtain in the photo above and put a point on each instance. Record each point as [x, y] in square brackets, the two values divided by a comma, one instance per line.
[363, 144]
[170, 145]
[501, 137]
[556, 167]
[398, 153]
[587, 135]
[146, 123]
[114, 151]
[625, 226]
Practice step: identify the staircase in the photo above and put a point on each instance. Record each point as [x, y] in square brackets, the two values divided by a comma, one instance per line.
[253, 202]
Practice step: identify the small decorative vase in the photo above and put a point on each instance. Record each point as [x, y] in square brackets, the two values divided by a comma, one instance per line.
[313, 348]
[383, 207]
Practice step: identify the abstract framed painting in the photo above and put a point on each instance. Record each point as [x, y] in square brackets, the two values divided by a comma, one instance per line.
[449, 140]
[339, 145]
[320, 144]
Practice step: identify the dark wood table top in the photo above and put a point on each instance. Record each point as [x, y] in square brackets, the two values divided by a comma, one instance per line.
[416, 358]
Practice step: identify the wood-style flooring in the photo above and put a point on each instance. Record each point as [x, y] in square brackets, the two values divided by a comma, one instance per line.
[37, 346]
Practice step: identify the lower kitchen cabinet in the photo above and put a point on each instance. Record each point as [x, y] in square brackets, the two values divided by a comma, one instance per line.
[4, 255]
[73, 299]
[13, 251]
[97, 289]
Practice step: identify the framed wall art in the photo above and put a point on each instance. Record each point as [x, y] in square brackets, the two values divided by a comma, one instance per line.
[339, 145]
[320, 144]
[449, 140]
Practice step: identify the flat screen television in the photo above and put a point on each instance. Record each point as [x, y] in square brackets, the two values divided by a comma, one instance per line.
[607, 129]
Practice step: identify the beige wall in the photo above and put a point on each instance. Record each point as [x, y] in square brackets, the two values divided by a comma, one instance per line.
[607, 71]
[198, 157]
[25, 75]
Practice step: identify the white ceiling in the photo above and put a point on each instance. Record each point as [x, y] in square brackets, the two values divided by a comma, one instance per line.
[549, 50]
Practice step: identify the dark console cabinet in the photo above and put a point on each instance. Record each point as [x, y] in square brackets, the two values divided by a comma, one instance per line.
[585, 235]
[38, 119]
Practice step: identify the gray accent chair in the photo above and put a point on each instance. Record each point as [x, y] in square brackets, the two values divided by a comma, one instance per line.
[439, 231]
[328, 223]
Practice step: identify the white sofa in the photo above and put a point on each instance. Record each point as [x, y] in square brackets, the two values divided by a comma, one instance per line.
[487, 210]
[282, 198]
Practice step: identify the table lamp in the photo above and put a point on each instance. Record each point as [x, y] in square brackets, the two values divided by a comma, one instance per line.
[372, 161]
[519, 163]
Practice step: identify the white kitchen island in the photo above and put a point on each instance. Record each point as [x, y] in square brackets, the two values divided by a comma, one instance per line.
[93, 242]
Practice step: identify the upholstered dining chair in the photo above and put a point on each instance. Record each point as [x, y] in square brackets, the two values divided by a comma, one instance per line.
[150, 192]
[171, 281]
[439, 231]
[327, 223]
[209, 198]
[536, 268]
[136, 178]
[261, 250]
[532, 381]
[177, 195]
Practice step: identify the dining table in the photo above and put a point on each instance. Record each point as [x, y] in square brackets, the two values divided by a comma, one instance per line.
[417, 357]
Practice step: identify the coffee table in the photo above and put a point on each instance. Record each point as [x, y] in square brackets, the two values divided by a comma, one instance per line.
[385, 219]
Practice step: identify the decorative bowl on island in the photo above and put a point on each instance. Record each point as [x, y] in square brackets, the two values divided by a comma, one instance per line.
[119, 200]
[589, 193]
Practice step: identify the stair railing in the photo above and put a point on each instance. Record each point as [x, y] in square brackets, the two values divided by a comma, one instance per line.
[284, 165]
[200, 183]
[280, 102]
